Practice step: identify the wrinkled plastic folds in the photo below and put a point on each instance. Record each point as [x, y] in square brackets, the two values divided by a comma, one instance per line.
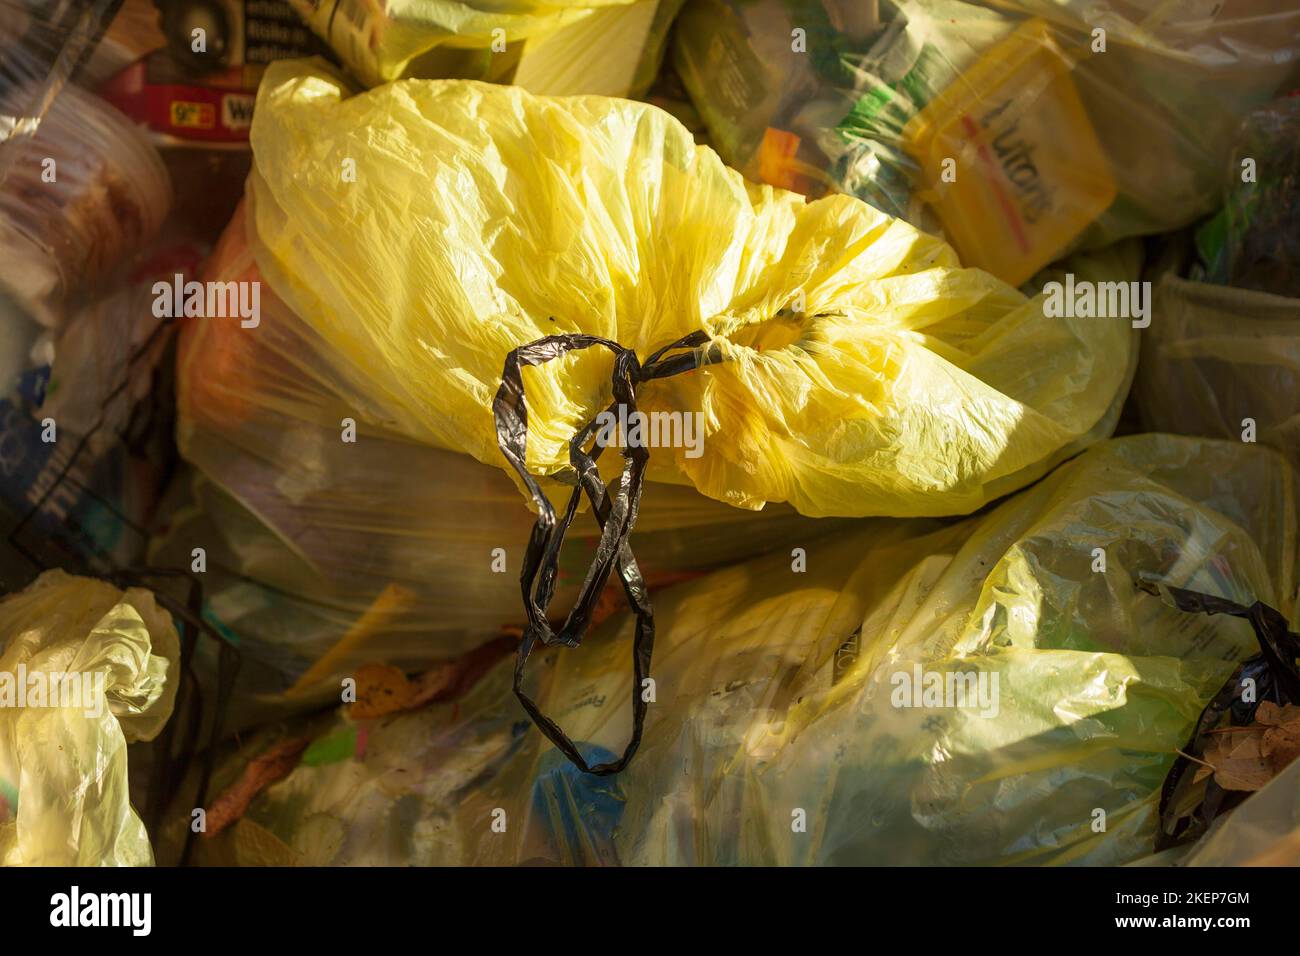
[63, 769]
[1254, 241]
[1224, 363]
[1021, 128]
[481, 39]
[776, 694]
[1223, 359]
[309, 538]
[44, 43]
[83, 191]
[1263, 831]
[861, 370]
[80, 187]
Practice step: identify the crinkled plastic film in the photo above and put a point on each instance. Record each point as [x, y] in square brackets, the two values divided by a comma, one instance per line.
[774, 694]
[307, 537]
[1021, 128]
[905, 385]
[1224, 363]
[390, 39]
[44, 44]
[81, 189]
[63, 769]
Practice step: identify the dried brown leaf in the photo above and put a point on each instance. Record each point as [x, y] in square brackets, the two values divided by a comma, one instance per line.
[275, 764]
[1281, 746]
[1237, 761]
[1270, 714]
[381, 689]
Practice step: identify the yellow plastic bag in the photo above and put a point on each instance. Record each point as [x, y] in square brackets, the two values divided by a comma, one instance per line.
[778, 692]
[111, 657]
[854, 367]
[778, 734]
[385, 549]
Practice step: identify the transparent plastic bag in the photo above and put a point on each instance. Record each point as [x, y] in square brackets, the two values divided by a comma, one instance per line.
[45, 42]
[1014, 127]
[80, 188]
[82, 194]
[778, 734]
[112, 659]
[1224, 363]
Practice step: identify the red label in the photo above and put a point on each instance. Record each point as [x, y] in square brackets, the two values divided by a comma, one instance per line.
[172, 104]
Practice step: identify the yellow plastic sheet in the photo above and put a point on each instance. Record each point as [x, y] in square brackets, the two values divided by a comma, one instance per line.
[112, 657]
[862, 371]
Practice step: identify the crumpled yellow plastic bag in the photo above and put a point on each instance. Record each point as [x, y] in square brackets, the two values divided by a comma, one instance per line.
[63, 770]
[427, 228]
[387, 539]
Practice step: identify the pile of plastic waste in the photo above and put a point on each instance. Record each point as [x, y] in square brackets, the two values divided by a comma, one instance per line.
[670, 432]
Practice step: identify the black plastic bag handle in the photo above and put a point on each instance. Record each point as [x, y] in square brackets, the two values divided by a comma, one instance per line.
[616, 518]
[1274, 670]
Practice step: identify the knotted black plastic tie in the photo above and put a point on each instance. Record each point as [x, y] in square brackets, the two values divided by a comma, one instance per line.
[616, 517]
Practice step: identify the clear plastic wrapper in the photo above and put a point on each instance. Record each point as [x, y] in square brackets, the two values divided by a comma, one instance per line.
[1014, 127]
[44, 44]
[82, 194]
